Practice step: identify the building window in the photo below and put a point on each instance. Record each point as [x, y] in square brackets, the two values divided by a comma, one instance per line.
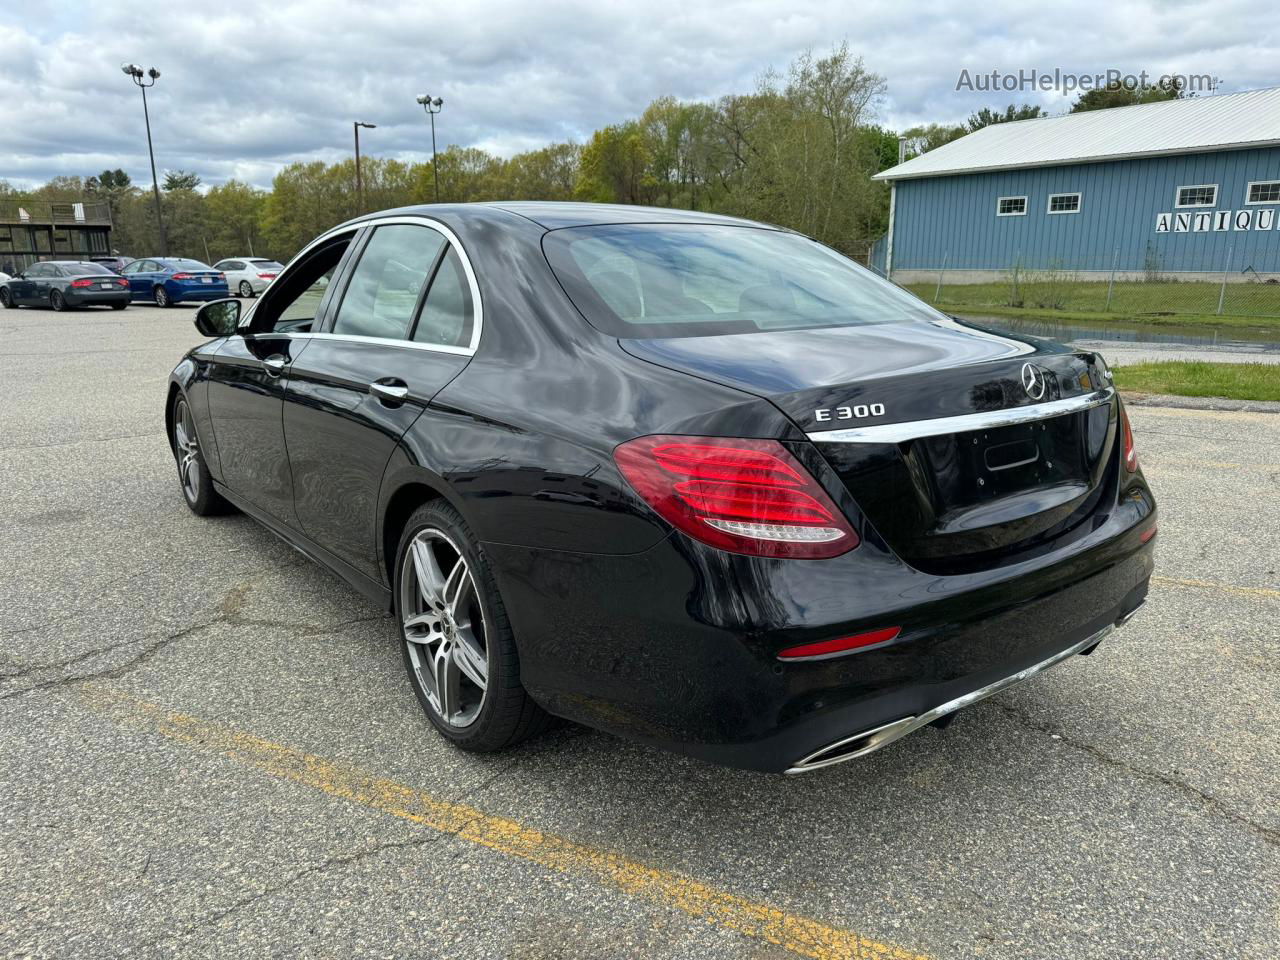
[1064, 203]
[1263, 191]
[1011, 207]
[1200, 195]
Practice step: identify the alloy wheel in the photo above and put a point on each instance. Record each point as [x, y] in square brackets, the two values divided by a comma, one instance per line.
[162, 297]
[187, 451]
[246, 291]
[444, 628]
[56, 301]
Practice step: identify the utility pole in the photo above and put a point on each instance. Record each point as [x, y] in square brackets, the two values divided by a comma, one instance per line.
[433, 107]
[355, 126]
[136, 74]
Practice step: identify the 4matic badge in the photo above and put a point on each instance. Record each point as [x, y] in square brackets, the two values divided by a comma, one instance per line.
[858, 412]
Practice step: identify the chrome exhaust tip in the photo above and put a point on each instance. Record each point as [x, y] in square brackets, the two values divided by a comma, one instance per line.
[869, 741]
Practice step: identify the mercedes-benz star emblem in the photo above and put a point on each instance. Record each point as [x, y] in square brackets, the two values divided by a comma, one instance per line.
[1033, 381]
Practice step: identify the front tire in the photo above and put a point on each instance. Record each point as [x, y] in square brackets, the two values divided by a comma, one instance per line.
[455, 638]
[193, 474]
[5, 300]
[57, 301]
[161, 297]
[246, 290]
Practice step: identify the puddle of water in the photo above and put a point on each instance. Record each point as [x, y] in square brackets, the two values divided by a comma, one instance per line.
[1067, 330]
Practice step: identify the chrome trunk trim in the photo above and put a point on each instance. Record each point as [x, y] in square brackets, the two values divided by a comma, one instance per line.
[884, 735]
[901, 432]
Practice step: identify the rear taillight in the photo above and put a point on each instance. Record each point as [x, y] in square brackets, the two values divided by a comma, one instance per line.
[746, 496]
[82, 283]
[123, 282]
[266, 276]
[222, 277]
[1130, 454]
[182, 276]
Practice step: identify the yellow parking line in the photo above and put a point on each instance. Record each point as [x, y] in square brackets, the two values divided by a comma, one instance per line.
[1225, 587]
[799, 935]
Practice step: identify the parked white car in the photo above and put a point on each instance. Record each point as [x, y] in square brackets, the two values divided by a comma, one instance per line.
[248, 276]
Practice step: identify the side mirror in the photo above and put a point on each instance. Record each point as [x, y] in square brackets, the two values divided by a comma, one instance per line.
[219, 318]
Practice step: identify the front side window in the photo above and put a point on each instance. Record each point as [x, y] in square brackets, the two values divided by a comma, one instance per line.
[1266, 191]
[292, 303]
[382, 295]
[1200, 195]
[669, 280]
[446, 313]
[1011, 206]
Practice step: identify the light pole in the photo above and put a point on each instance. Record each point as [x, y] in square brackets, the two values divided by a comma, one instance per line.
[355, 126]
[433, 107]
[136, 74]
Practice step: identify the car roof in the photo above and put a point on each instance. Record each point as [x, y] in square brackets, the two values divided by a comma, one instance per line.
[554, 215]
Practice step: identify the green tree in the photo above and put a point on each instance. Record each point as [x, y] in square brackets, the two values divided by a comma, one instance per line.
[1118, 95]
[233, 211]
[986, 116]
[180, 180]
[929, 137]
[547, 174]
[615, 166]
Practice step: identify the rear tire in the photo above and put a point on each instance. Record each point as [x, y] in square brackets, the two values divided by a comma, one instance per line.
[119, 306]
[246, 289]
[57, 300]
[193, 474]
[161, 297]
[460, 633]
[5, 300]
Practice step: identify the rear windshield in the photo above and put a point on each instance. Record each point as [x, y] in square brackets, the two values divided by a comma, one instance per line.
[678, 280]
[266, 265]
[87, 269]
[188, 265]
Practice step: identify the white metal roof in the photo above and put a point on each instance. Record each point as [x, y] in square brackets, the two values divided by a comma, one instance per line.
[1193, 125]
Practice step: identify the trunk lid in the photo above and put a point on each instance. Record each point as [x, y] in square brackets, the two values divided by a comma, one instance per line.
[931, 428]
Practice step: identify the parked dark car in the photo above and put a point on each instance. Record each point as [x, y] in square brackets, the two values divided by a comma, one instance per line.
[64, 284]
[166, 281]
[694, 480]
[114, 264]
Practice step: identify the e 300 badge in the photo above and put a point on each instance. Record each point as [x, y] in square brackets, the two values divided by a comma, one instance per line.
[858, 412]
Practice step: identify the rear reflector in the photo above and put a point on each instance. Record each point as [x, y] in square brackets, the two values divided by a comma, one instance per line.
[745, 496]
[1147, 535]
[826, 647]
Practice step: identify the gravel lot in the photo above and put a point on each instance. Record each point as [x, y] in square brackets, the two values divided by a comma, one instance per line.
[208, 747]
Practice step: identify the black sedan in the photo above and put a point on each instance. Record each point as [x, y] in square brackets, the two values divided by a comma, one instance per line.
[694, 480]
[64, 284]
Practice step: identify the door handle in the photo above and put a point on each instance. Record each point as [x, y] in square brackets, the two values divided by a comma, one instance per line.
[275, 364]
[390, 391]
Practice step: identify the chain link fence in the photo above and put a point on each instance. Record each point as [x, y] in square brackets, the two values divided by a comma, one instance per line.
[1226, 287]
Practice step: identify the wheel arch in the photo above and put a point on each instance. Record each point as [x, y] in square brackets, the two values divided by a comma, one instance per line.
[409, 494]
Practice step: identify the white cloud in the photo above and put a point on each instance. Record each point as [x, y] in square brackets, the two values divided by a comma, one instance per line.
[247, 88]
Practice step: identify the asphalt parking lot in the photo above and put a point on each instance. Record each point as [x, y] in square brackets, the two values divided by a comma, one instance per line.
[208, 746]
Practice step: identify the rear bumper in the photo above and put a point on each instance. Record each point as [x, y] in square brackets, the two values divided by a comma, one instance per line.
[677, 646]
[201, 293]
[96, 297]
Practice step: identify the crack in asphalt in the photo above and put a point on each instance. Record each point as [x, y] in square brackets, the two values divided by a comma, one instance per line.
[337, 861]
[228, 615]
[74, 443]
[1206, 800]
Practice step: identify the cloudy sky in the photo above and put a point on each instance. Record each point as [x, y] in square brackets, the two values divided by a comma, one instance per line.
[247, 88]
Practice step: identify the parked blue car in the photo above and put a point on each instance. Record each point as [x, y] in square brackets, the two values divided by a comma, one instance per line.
[169, 280]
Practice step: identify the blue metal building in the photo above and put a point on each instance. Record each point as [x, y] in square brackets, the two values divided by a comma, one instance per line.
[1186, 188]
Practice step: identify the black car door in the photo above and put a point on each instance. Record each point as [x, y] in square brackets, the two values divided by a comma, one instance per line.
[405, 324]
[249, 374]
[22, 287]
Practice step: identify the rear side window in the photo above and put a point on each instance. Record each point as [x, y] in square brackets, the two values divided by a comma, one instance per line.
[383, 293]
[446, 315]
[687, 280]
